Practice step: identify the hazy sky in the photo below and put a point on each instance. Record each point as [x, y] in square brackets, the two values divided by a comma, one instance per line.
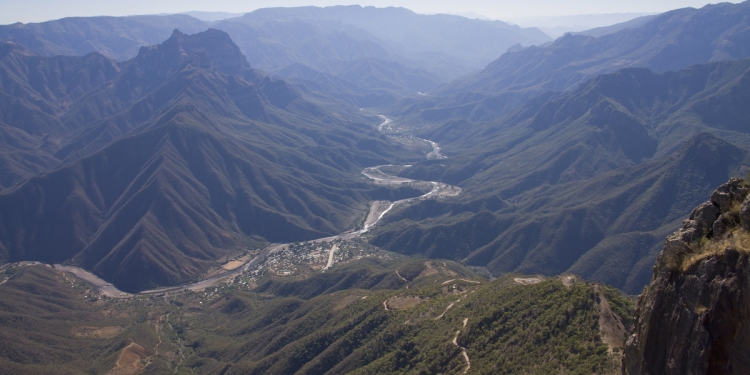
[42, 10]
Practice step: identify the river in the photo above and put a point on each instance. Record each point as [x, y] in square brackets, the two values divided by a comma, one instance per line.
[378, 210]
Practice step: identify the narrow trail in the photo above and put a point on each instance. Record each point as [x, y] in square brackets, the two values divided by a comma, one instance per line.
[468, 361]
[179, 340]
[401, 277]
[448, 308]
[182, 355]
[468, 281]
[157, 328]
[463, 350]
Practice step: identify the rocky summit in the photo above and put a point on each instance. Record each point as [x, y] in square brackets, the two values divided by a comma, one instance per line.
[691, 318]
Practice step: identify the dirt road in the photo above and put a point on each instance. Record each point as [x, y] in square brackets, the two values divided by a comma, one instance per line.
[331, 253]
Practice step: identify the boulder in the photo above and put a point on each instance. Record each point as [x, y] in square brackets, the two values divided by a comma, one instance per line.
[726, 194]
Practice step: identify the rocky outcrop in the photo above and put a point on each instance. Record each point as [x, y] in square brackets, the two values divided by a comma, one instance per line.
[694, 317]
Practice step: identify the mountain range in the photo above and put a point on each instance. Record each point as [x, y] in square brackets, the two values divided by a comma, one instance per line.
[670, 41]
[172, 160]
[368, 46]
[117, 38]
[582, 181]
[186, 147]
[515, 182]
[476, 42]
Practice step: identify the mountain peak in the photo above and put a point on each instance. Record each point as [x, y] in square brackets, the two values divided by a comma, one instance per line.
[176, 33]
[208, 49]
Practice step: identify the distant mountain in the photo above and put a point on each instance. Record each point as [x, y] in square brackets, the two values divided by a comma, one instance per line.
[274, 44]
[556, 26]
[586, 181]
[212, 16]
[335, 49]
[670, 41]
[604, 30]
[476, 42]
[174, 159]
[380, 74]
[320, 40]
[366, 46]
[324, 86]
[117, 38]
[370, 47]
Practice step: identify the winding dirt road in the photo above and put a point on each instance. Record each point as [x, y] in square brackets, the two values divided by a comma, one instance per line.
[463, 350]
[448, 308]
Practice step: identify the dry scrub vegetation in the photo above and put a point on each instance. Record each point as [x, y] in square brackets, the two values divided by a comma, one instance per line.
[737, 238]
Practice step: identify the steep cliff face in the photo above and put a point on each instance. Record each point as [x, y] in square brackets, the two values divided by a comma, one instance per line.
[694, 317]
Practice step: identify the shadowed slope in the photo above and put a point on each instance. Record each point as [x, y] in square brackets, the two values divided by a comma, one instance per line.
[200, 158]
[670, 41]
[572, 181]
[34, 92]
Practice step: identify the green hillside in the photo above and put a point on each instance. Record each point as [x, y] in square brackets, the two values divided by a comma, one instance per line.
[432, 317]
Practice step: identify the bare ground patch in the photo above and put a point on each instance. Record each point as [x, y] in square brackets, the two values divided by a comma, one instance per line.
[611, 328]
[528, 280]
[428, 271]
[402, 303]
[233, 265]
[569, 280]
[445, 190]
[128, 362]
